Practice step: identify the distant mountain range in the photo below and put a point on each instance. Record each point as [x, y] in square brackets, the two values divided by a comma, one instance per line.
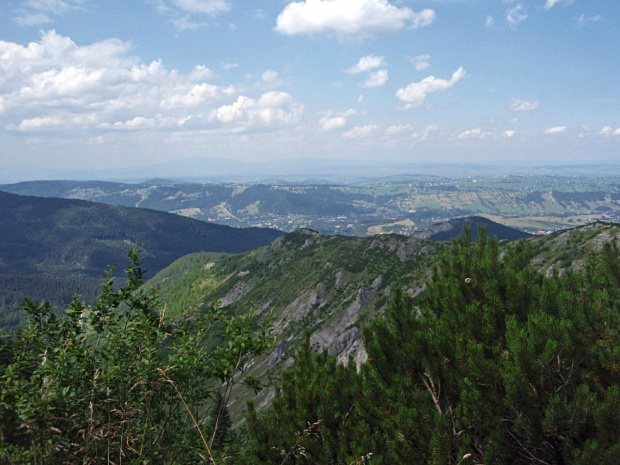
[214, 169]
[48, 243]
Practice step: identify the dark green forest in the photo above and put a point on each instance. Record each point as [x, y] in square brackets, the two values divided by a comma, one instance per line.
[494, 363]
[49, 247]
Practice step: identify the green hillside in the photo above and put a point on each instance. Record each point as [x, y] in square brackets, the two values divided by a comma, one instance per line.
[49, 246]
[330, 285]
[333, 285]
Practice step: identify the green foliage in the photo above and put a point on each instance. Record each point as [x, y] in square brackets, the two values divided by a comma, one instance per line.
[497, 364]
[311, 414]
[118, 382]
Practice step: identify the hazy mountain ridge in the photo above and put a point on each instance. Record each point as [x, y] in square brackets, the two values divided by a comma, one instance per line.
[404, 204]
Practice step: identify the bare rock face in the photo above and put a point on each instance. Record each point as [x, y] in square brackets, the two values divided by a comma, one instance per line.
[299, 308]
[263, 256]
[356, 351]
[343, 341]
[236, 293]
[279, 353]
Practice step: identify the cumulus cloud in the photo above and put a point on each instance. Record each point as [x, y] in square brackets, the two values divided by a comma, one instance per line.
[420, 62]
[201, 73]
[376, 79]
[523, 105]
[329, 123]
[55, 83]
[271, 109]
[509, 133]
[609, 131]
[556, 130]
[515, 16]
[332, 120]
[349, 19]
[360, 131]
[415, 93]
[366, 63]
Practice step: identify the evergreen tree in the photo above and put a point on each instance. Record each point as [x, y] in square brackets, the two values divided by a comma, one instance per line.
[312, 414]
[498, 364]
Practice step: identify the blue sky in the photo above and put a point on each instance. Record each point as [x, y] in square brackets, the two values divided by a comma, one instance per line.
[115, 83]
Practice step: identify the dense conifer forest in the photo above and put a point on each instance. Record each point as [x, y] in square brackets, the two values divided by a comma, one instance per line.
[494, 363]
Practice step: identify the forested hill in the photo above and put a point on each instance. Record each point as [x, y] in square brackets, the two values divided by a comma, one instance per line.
[448, 230]
[70, 241]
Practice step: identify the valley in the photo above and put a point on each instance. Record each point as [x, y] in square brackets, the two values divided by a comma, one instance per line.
[404, 205]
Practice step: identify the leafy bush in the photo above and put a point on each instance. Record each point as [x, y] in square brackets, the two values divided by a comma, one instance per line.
[118, 382]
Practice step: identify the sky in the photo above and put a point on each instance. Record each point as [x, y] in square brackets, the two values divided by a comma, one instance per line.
[110, 84]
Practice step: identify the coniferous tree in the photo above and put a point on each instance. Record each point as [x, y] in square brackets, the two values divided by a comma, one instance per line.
[313, 414]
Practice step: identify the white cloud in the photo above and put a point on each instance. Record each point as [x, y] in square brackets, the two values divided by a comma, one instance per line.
[395, 130]
[490, 22]
[415, 93]
[360, 131]
[551, 3]
[349, 18]
[556, 130]
[226, 65]
[208, 7]
[366, 63]
[420, 62]
[584, 20]
[476, 134]
[139, 122]
[334, 122]
[426, 133]
[515, 15]
[37, 124]
[197, 95]
[523, 105]
[55, 82]
[271, 109]
[376, 79]
[269, 76]
[183, 13]
[509, 133]
[609, 131]
[331, 120]
[37, 12]
[201, 73]
[360, 99]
